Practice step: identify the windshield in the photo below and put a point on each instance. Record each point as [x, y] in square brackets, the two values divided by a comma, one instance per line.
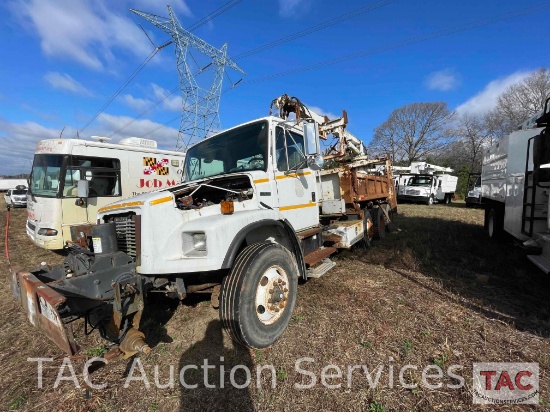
[243, 148]
[420, 181]
[45, 175]
[478, 182]
[19, 192]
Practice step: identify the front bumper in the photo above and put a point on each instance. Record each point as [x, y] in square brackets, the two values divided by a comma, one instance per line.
[41, 304]
[473, 200]
[415, 199]
[17, 203]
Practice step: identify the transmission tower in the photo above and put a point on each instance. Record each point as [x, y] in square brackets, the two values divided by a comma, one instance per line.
[200, 106]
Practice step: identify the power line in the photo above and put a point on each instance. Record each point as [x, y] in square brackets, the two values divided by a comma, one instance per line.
[313, 29]
[408, 42]
[277, 42]
[119, 90]
[220, 10]
[381, 49]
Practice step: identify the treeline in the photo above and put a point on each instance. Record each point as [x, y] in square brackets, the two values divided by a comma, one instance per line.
[431, 132]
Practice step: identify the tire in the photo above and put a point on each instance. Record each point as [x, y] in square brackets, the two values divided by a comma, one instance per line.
[378, 222]
[430, 200]
[389, 223]
[245, 295]
[494, 223]
[448, 199]
[368, 234]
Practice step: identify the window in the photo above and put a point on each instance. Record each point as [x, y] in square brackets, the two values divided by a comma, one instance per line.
[289, 150]
[243, 148]
[103, 175]
[45, 175]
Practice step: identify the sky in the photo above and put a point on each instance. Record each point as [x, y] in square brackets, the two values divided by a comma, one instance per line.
[62, 61]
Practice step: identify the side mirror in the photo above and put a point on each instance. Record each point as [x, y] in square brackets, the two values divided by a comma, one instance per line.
[311, 138]
[315, 162]
[83, 188]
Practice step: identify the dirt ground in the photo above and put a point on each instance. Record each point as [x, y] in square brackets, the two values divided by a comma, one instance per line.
[434, 292]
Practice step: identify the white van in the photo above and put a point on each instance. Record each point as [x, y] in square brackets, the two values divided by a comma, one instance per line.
[108, 173]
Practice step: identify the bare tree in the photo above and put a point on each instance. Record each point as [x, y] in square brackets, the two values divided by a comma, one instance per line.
[413, 131]
[474, 132]
[522, 100]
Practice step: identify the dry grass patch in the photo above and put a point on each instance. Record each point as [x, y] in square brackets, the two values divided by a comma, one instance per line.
[434, 292]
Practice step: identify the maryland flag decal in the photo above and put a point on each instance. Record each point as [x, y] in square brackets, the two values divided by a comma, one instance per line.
[151, 166]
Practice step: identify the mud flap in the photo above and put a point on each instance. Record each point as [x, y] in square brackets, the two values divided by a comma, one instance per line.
[41, 304]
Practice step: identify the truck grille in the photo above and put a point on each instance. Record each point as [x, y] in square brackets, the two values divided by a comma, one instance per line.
[31, 226]
[413, 192]
[126, 234]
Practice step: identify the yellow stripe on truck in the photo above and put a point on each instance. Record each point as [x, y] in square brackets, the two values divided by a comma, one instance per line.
[310, 204]
[261, 181]
[161, 200]
[292, 175]
[120, 205]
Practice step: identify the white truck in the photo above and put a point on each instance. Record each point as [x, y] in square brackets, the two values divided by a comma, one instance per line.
[56, 210]
[515, 183]
[254, 215]
[16, 197]
[474, 195]
[428, 184]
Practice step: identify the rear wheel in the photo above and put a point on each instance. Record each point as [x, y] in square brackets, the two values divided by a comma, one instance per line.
[368, 227]
[493, 223]
[378, 222]
[389, 223]
[258, 296]
[448, 199]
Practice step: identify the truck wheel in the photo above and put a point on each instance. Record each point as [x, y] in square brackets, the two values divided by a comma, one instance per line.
[448, 199]
[368, 227]
[378, 222]
[389, 225]
[430, 200]
[494, 226]
[258, 296]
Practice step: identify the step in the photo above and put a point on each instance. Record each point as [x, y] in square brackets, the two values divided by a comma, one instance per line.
[321, 269]
[542, 262]
[318, 255]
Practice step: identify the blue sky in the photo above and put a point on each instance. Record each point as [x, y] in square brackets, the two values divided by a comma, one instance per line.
[63, 59]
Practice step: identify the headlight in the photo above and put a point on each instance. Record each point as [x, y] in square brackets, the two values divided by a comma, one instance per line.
[47, 232]
[199, 241]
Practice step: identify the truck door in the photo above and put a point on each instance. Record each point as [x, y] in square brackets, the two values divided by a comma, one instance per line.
[296, 183]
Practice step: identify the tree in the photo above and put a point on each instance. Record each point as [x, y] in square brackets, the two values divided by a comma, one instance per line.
[522, 100]
[413, 132]
[474, 132]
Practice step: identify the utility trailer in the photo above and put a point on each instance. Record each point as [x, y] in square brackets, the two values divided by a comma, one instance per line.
[515, 183]
[256, 213]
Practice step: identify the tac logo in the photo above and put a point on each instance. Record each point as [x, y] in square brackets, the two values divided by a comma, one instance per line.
[505, 383]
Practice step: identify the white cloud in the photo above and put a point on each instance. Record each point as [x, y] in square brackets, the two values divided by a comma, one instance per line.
[136, 103]
[21, 138]
[294, 8]
[65, 82]
[486, 99]
[322, 112]
[172, 102]
[164, 135]
[89, 31]
[443, 80]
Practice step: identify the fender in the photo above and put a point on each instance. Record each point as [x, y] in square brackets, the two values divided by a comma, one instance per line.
[237, 241]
